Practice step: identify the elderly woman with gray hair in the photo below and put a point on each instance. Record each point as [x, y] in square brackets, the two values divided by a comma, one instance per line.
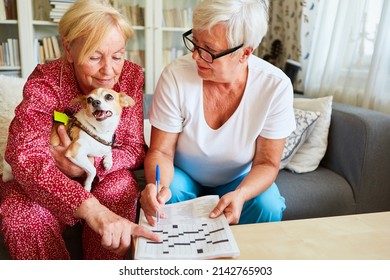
[220, 117]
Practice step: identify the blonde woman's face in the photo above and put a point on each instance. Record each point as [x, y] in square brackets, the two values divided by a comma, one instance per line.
[103, 67]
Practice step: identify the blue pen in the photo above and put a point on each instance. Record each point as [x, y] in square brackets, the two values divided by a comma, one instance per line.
[158, 188]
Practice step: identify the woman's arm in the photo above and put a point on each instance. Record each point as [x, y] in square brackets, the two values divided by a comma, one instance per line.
[28, 152]
[262, 175]
[114, 230]
[161, 152]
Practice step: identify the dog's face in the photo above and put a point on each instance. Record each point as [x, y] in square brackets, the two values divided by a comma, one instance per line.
[103, 103]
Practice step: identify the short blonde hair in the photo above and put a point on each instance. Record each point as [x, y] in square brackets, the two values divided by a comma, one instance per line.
[92, 20]
[246, 21]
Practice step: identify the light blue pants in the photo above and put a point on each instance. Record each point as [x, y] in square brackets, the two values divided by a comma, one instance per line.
[266, 207]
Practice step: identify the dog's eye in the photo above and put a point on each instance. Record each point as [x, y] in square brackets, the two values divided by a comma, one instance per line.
[109, 97]
[89, 99]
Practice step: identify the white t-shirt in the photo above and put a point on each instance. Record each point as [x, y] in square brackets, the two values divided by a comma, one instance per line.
[216, 157]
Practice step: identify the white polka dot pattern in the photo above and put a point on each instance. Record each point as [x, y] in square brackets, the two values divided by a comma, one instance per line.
[37, 205]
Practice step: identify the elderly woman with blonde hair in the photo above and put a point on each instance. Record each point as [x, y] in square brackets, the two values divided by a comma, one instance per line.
[47, 194]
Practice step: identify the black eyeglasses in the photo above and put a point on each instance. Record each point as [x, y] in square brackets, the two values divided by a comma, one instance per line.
[203, 53]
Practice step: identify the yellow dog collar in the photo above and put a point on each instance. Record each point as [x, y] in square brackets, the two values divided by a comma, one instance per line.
[61, 117]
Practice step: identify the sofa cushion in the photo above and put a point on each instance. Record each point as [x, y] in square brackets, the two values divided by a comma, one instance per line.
[310, 154]
[11, 89]
[320, 193]
[305, 121]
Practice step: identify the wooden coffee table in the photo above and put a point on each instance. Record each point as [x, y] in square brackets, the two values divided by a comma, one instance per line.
[352, 237]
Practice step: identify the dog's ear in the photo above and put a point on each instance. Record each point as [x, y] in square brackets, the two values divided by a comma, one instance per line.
[125, 100]
[79, 100]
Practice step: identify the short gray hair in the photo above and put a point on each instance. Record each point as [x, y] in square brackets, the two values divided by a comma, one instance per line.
[246, 20]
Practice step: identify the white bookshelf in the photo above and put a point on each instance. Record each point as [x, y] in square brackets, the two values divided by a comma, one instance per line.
[171, 19]
[9, 31]
[158, 36]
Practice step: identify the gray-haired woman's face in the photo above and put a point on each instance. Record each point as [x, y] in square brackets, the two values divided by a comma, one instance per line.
[223, 69]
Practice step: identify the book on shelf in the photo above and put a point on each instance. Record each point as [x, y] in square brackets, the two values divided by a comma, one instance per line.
[16, 52]
[177, 17]
[59, 8]
[2, 55]
[41, 53]
[171, 54]
[9, 53]
[46, 49]
[10, 9]
[134, 13]
[41, 9]
[56, 46]
[3, 15]
[136, 56]
[50, 47]
[188, 233]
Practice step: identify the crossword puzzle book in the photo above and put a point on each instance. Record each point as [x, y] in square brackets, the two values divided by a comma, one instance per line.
[188, 233]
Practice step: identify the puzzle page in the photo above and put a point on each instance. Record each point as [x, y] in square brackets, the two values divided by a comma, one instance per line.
[188, 233]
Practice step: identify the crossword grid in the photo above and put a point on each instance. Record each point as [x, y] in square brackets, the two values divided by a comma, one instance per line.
[188, 239]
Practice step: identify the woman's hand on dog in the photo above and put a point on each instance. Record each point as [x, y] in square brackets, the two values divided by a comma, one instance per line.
[115, 231]
[63, 163]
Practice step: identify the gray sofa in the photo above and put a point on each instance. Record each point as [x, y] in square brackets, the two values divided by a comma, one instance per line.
[353, 177]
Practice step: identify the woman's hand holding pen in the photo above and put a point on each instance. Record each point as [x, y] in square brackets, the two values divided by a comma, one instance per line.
[151, 202]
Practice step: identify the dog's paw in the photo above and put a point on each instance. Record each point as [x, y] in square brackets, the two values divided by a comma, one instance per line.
[88, 183]
[7, 172]
[107, 163]
[88, 188]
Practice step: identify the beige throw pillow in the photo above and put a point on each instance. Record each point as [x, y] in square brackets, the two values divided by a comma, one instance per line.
[11, 89]
[309, 155]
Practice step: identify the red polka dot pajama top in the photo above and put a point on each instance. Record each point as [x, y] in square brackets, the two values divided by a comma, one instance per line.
[38, 204]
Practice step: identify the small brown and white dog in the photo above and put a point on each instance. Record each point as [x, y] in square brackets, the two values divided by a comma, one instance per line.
[91, 131]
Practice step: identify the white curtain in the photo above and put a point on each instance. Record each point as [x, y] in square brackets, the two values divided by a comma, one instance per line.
[350, 57]
[288, 20]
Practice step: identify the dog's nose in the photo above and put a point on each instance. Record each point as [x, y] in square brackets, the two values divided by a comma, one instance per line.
[96, 103]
